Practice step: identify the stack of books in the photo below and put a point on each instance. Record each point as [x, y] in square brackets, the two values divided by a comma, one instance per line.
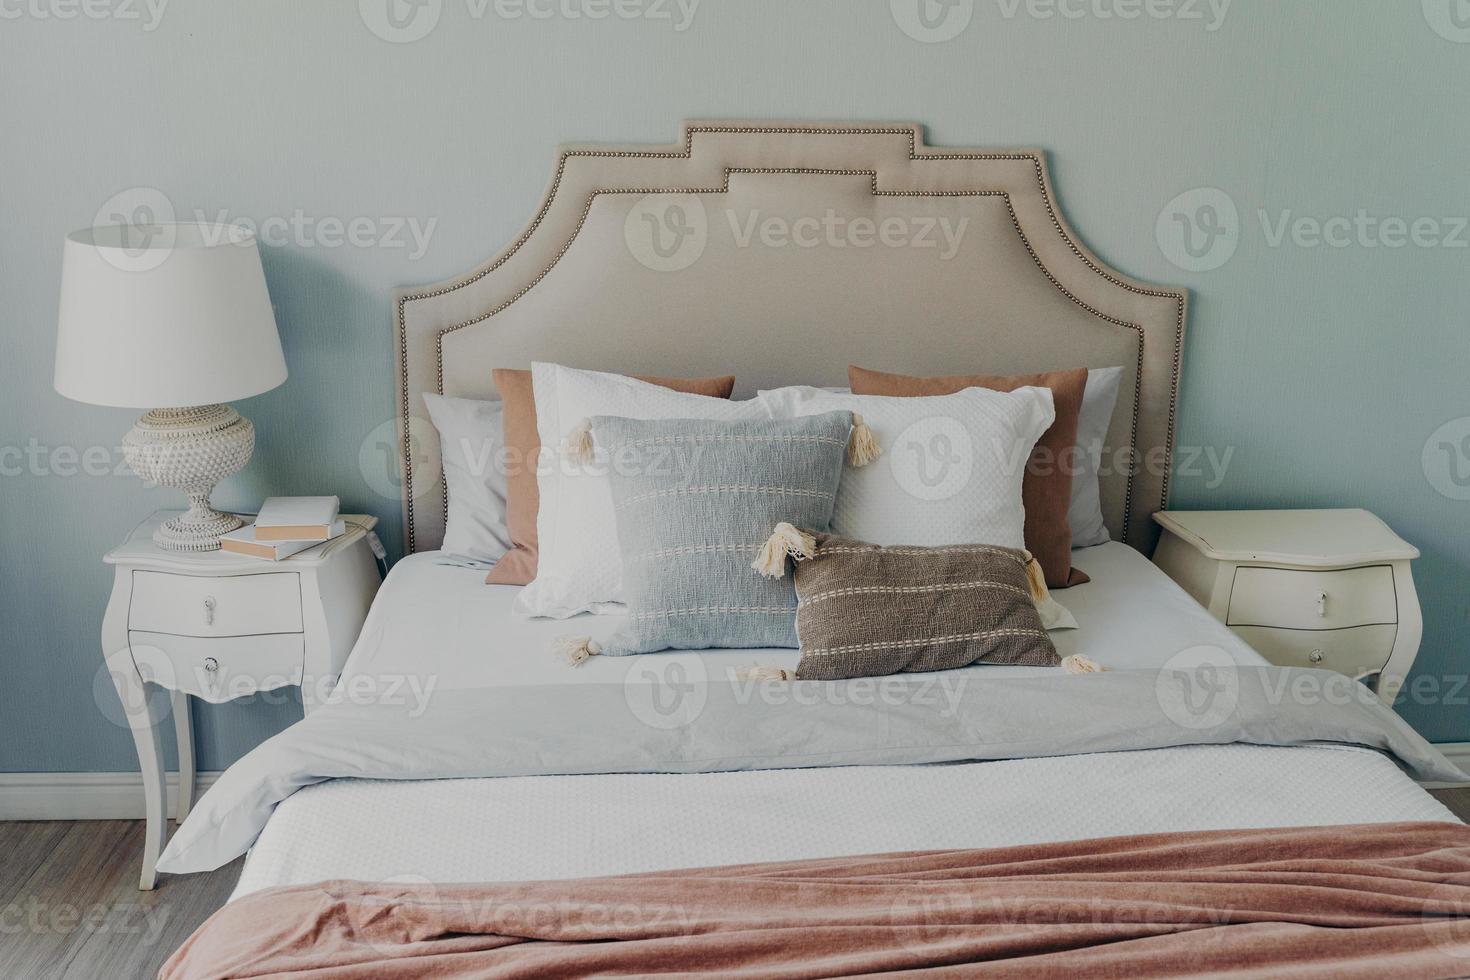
[286, 526]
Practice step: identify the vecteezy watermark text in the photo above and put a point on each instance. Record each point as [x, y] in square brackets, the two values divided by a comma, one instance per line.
[38, 917]
[37, 459]
[936, 21]
[1200, 230]
[406, 21]
[669, 232]
[147, 13]
[1210, 13]
[833, 230]
[302, 230]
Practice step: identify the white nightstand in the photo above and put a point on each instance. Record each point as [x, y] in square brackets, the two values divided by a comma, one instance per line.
[220, 626]
[1305, 588]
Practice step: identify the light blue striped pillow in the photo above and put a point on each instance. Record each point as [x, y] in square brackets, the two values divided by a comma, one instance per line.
[695, 500]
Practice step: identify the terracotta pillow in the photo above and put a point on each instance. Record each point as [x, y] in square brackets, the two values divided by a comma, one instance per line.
[1046, 490]
[523, 445]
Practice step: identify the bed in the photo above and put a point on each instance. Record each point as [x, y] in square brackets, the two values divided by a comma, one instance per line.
[470, 756]
[433, 620]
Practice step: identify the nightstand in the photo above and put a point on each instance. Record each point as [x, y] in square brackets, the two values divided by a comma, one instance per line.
[220, 626]
[1306, 588]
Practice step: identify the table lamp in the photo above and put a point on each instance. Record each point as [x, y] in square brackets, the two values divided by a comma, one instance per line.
[176, 319]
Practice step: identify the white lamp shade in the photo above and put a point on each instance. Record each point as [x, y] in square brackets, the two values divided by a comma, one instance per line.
[165, 316]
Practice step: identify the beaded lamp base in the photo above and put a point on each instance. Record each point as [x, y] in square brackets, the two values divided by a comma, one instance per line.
[191, 449]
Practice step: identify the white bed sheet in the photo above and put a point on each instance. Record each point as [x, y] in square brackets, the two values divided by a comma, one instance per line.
[435, 619]
[438, 620]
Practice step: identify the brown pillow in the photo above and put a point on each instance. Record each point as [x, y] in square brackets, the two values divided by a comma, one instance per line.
[1046, 490]
[522, 445]
[864, 610]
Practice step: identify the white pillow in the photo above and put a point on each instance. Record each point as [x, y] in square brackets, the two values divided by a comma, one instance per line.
[951, 468]
[471, 441]
[578, 568]
[1098, 400]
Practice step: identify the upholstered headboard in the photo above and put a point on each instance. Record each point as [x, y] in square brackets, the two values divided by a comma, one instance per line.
[780, 253]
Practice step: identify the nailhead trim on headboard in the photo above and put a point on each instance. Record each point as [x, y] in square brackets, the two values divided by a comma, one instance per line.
[914, 154]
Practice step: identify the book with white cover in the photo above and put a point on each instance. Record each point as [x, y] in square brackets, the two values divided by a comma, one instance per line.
[296, 518]
[246, 541]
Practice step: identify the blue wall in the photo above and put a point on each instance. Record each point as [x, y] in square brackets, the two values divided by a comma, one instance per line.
[1324, 369]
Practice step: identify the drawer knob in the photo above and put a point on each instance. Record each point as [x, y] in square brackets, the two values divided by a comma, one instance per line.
[209, 610]
[1322, 604]
[211, 664]
[1315, 656]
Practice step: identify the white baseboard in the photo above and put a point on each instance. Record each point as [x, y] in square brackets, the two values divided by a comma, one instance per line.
[119, 795]
[84, 795]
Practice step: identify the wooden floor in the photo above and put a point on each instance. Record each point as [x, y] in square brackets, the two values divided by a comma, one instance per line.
[70, 905]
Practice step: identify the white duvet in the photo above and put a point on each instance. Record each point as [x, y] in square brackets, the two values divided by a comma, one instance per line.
[538, 827]
[439, 623]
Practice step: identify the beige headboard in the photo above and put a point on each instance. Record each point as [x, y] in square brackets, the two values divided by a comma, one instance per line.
[786, 251]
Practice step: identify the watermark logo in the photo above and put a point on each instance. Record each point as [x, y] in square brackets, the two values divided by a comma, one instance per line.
[932, 21]
[142, 234]
[1446, 459]
[395, 906]
[933, 458]
[666, 691]
[1447, 917]
[380, 459]
[1450, 19]
[667, 232]
[400, 21]
[1199, 230]
[1198, 688]
[134, 684]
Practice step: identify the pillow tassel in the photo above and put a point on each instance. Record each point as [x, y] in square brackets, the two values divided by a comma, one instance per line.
[1036, 578]
[1078, 664]
[578, 443]
[786, 540]
[576, 650]
[862, 445]
[760, 674]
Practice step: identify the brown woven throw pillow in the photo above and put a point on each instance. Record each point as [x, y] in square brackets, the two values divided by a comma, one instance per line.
[866, 610]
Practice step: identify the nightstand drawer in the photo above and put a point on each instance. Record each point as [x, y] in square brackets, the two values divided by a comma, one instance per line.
[225, 605]
[1307, 600]
[219, 669]
[1347, 651]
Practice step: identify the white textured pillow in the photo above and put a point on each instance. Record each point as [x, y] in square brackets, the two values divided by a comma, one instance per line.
[579, 567]
[1085, 514]
[472, 443]
[951, 468]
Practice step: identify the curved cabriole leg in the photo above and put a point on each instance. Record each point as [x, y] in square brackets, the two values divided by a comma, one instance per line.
[142, 715]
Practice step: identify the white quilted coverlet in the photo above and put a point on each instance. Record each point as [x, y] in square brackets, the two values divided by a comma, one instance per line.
[542, 827]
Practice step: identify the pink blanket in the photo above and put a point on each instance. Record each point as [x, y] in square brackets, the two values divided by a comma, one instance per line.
[1360, 901]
